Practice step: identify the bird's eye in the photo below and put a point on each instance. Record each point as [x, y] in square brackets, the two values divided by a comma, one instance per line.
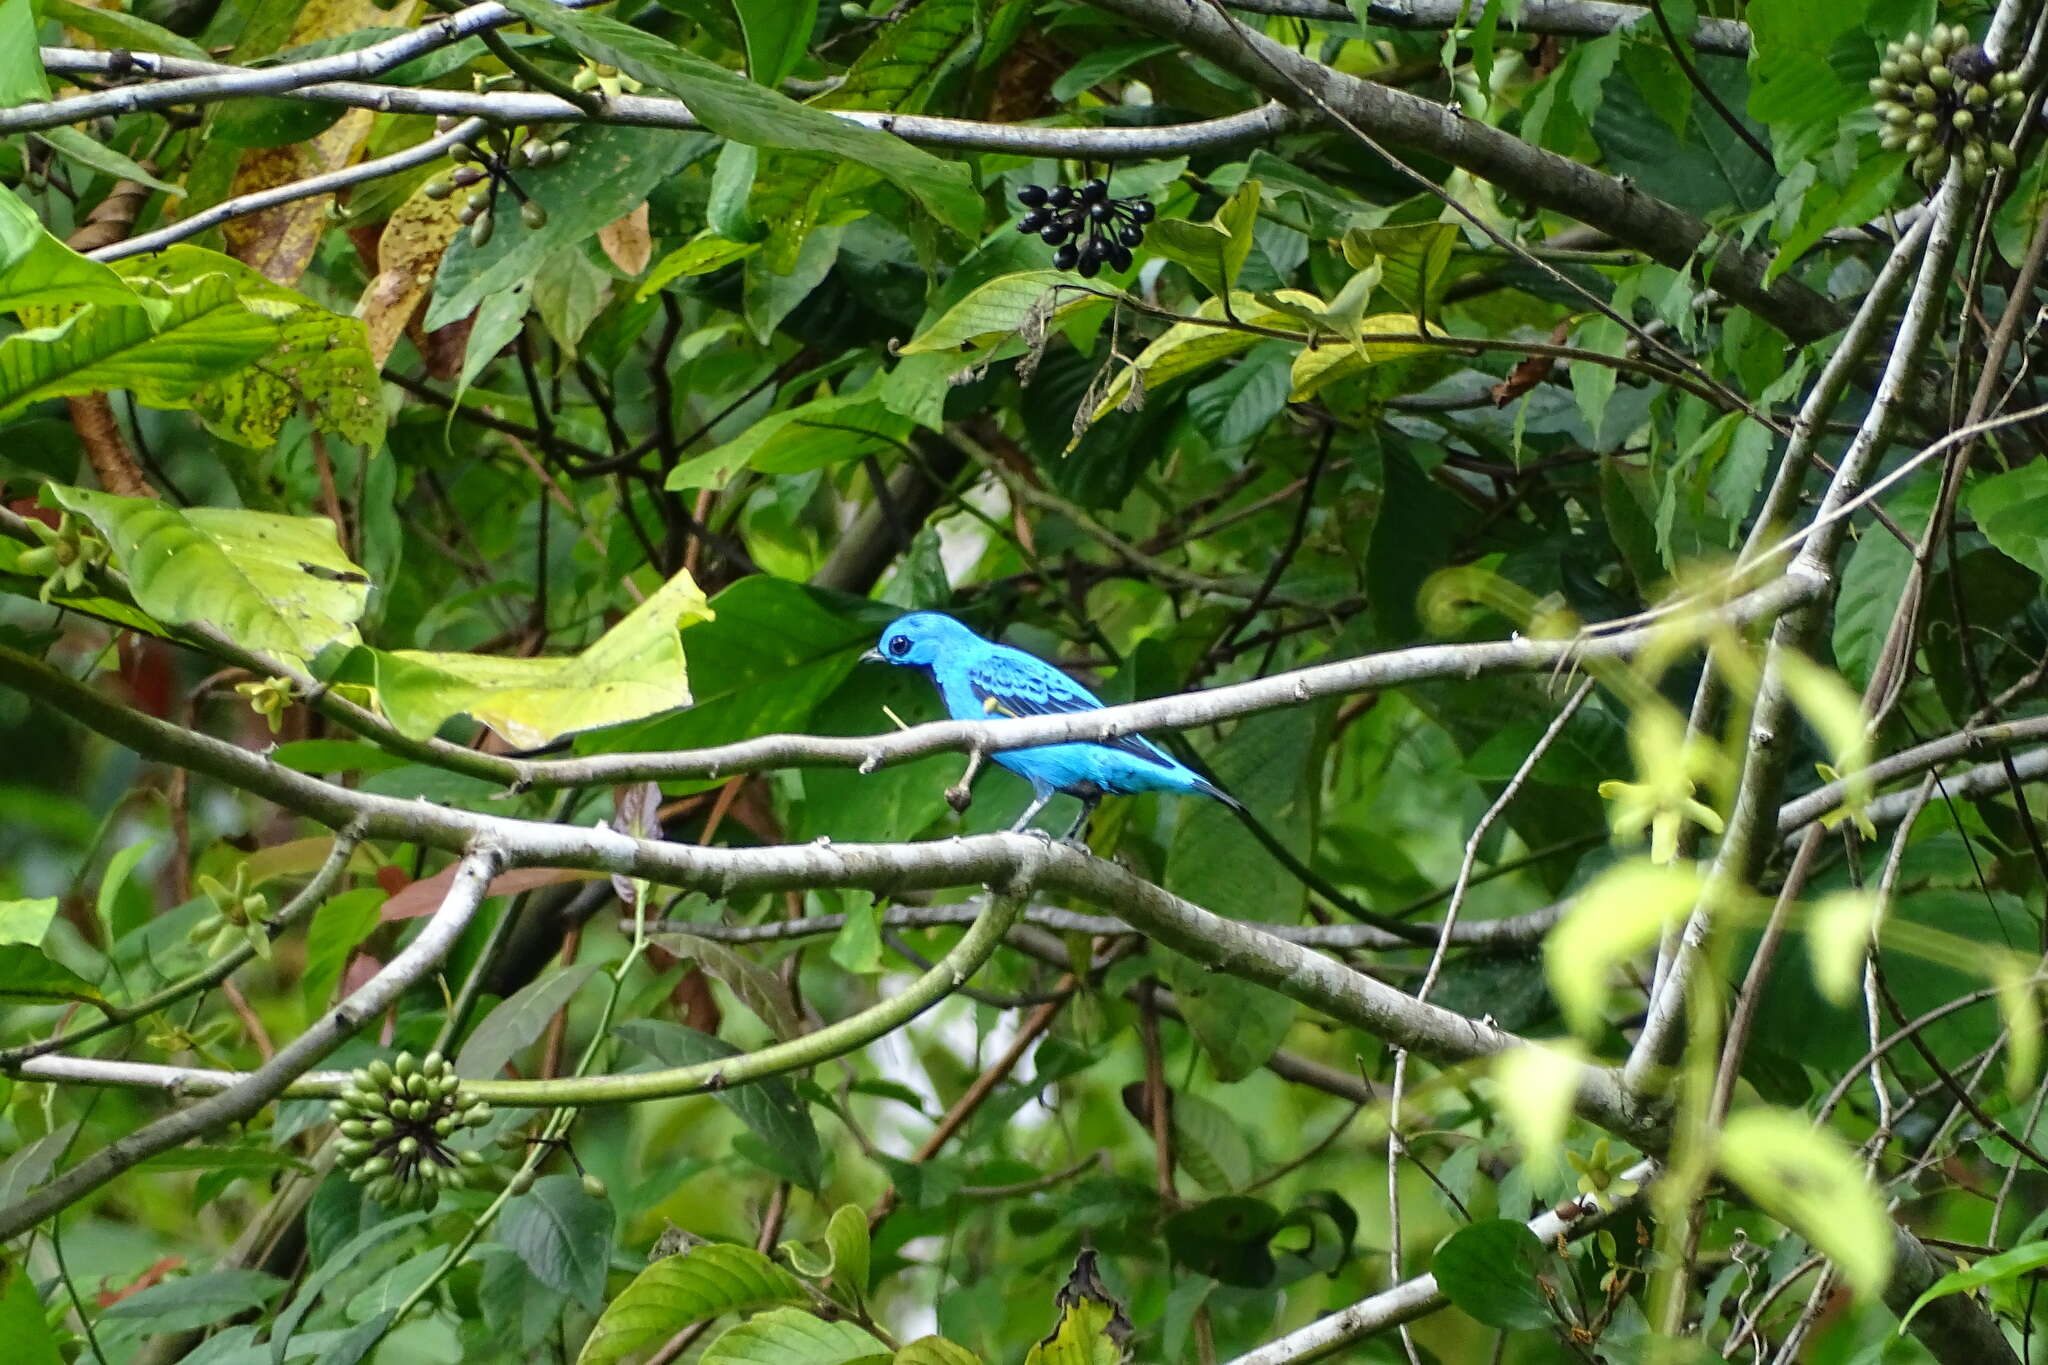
[899, 645]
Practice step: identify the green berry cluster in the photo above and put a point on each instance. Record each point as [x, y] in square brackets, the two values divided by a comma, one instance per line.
[484, 167]
[1943, 100]
[396, 1119]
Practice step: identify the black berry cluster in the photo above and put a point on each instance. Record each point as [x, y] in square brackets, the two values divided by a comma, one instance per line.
[1943, 100]
[1107, 228]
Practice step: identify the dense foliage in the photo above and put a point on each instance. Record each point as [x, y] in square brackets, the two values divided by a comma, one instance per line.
[1572, 471]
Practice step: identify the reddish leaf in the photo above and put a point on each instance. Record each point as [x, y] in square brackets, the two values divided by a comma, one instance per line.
[424, 897]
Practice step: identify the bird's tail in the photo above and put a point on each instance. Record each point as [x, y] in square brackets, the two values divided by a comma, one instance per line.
[1210, 789]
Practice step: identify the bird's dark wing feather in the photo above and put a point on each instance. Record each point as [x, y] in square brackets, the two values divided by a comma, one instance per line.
[1020, 685]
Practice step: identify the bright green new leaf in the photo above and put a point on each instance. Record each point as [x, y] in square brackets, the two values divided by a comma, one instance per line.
[634, 669]
[26, 921]
[22, 79]
[735, 107]
[1412, 261]
[935, 1351]
[808, 436]
[789, 1336]
[1617, 915]
[707, 1282]
[1213, 252]
[22, 1324]
[39, 273]
[316, 359]
[1807, 1180]
[25, 974]
[777, 31]
[847, 1235]
[2007, 1265]
[2011, 509]
[700, 255]
[1538, 1084]
[276, 585]
[1838, 932]
[205, 335]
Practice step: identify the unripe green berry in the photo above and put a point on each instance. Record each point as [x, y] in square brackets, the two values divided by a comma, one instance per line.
[2003, 155]
[1940, 77]
[1963, 120]
[355, 1128]
[1925, 96]
[533, 215]
[439, 189]
[1927, 123]
[480, 229]
[558, 150]
[433, 1063]
[378, 1074]
[521, 1183]
[593, 1186]
[477, 1115]
[408, 1145]
[474, 1158]
[1978, 95]
[375, 1166]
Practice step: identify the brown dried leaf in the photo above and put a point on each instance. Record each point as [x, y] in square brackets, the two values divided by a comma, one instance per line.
[627, 241]
[408, 254]
[1528, 372]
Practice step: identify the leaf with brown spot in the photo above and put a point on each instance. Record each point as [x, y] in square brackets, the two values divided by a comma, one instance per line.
[281, 241]
[408, 254]
[627, 242]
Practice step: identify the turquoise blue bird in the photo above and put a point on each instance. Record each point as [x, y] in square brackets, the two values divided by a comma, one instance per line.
[978, 679]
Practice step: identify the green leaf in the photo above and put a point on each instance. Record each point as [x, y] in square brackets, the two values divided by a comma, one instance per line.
[1807, 1180]
[191, 1301]
[339, 927]
[2007, 1265]
[22, 80]
[847, 1235]
[28, 920]
[770, 1107]
[635, 669]
[1709, 170]
[1412, 261]
[995, 309]
[97, 156]
[119, 868]
[346, 1258]
[734, 107]
[1215, 251]
[1317, 367]
[1214, 861]
[700, 255]
[113, 28]
[1104, 63]
[1235, 406]
[777, 31]
[277, 585]
[563, 1234]
[676, 1291]
[1209, 1144]
[205, 335]
[754, 985]
[39, 271]
[1491, 1270]
[789, 1336]
[25, 974]
[1800, 87]
[22, 1325]
[2011, 509]
[317, 360]
[935, 1351]
[519, 1020]
[611, 170]
[809, 436]
[33, 1165]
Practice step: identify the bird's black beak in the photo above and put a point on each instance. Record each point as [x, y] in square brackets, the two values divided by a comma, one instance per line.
[873, 656]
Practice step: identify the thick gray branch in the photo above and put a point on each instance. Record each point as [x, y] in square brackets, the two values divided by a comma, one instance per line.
[1563, 18]
[199, 82]
[1403, 120]
[248, 1094]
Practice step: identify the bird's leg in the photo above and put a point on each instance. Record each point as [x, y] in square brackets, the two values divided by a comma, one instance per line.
[1088, 804]
[1038, 801]
[959, 796]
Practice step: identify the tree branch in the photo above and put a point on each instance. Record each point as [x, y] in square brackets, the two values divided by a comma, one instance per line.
[250, 1093]
[1562, 18]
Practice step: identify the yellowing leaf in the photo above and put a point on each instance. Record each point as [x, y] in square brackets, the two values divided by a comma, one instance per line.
[1618, 914]
[409, 252]
[1188, 346]
[2019, 1002]
[277, 585]
[1537, 1086]
[634, 669]
[1807, 1180]
[1318, 366]
[994, 309]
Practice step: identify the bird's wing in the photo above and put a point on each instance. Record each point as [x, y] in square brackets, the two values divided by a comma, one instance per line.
[1012, 683]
